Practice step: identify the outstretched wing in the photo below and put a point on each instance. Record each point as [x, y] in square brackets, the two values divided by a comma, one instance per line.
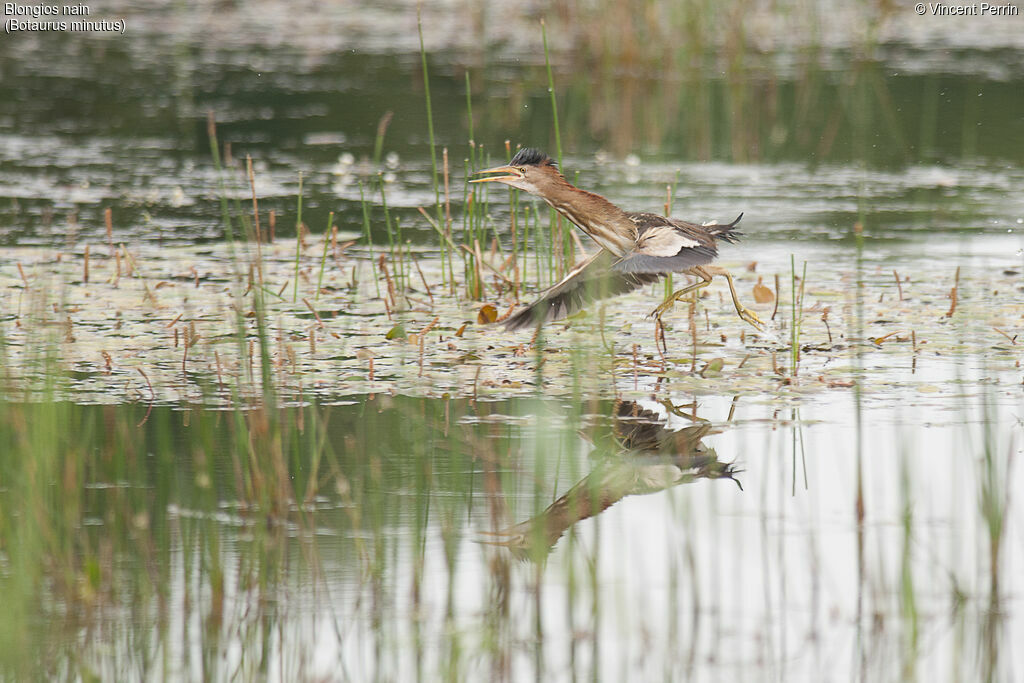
[667, 245]
[589, 281]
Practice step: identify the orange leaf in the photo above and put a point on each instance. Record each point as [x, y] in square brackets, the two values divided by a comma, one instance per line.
[488, 314]
[762, 294]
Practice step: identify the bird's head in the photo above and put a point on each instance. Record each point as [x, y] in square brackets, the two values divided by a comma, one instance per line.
[530, 170]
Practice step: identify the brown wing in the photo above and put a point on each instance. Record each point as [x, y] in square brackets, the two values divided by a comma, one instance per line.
[707, 233]
[669, 245]
[589, 281]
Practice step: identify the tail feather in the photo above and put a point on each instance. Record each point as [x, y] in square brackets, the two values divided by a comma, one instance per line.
[726, 232]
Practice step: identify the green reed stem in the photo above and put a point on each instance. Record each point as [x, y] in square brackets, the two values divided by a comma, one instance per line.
[551, 244]
[469, 107]
[526, 241]
[387, 223]
[430, 115]
[668, 213]
[555, 217]
[797, 306]
[215, 152]
[298, 242]
[378, 142]
[551, 91]
[323, 258]
[793, 334]
[403, 249]
[440, 231]
[369, 237]
[538, 239]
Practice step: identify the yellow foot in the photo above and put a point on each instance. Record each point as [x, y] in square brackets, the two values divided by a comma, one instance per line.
[665, 307]
[668, 305]
[750, 317]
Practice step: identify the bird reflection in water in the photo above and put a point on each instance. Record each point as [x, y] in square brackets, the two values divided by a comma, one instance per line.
[647, 458]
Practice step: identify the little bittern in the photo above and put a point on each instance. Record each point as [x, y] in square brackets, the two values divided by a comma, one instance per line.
[637, 248]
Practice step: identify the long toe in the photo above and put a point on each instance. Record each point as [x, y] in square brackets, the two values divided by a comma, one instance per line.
[750, 317]
[662, 309]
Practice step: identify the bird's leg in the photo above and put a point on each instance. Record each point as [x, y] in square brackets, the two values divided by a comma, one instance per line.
[679, 294]
[742, 311]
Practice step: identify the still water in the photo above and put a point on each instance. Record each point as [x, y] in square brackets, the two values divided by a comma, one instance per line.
[843, 551]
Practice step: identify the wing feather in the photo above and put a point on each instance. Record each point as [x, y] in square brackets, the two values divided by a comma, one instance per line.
[664, 245]
[664, 240]
[589, 281]
[637, 263]
[667, 245]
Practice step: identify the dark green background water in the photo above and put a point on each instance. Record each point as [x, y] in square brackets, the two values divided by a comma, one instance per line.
[888, 132]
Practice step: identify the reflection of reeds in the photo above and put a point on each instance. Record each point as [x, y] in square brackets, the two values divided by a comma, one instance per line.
[68, 467]
[994, 502]
[693, 80]
[430, 118]
[908, 589]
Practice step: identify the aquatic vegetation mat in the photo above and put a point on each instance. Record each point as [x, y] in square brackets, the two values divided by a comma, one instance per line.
[212, 324]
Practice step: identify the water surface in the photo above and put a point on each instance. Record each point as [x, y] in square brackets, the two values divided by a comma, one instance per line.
[223, 460]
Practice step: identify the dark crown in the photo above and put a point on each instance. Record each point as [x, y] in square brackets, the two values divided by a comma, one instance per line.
[530, 156]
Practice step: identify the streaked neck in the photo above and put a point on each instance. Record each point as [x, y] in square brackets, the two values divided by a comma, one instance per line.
[605, 223]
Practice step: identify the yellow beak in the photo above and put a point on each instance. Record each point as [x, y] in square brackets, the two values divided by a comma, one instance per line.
[498, 173]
